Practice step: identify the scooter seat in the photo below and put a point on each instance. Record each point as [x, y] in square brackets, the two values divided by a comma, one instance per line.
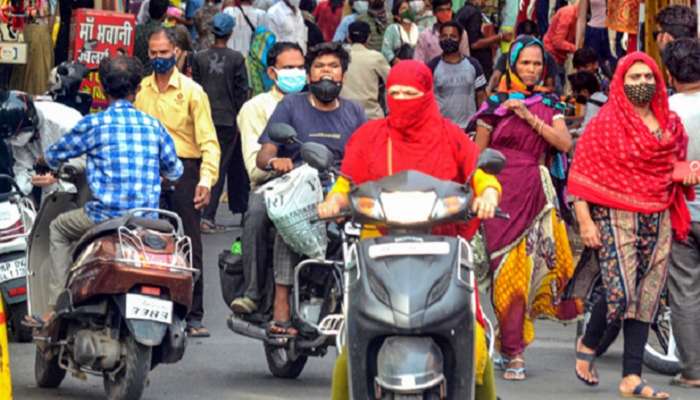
[158, 225]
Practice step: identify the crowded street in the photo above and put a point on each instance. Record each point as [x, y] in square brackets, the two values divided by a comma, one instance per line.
[230, 367]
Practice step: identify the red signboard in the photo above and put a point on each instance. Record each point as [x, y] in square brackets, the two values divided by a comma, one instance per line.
[96, 35]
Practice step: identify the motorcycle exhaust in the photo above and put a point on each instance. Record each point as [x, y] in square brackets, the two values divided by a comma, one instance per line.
[245, 328]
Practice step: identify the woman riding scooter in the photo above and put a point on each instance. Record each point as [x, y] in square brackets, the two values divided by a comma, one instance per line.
[415, 137]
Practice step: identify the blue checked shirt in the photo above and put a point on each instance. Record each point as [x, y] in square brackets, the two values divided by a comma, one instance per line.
[127, 152]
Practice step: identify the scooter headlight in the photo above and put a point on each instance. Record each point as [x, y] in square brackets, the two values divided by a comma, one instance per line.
[369, 207]
[408, 207]
[448, 206]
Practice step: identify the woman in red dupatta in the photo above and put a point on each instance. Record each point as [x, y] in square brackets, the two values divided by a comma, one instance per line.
[627, 206]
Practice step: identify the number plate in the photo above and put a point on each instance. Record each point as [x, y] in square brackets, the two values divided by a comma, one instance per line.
[13, 269]
[149, 308]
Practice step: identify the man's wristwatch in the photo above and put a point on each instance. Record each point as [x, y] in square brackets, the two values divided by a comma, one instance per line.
[268, 166]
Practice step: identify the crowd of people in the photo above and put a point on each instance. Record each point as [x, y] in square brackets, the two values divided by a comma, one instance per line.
[591, 135]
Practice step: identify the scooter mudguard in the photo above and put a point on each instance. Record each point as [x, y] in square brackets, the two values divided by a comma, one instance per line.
[407, 364]
[9, 290]
[147, 333]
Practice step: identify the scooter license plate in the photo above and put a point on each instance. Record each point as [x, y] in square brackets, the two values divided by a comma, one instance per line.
[148, 308]
[13, 269]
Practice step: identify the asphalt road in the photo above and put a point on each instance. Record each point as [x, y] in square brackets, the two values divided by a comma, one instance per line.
[227, 366]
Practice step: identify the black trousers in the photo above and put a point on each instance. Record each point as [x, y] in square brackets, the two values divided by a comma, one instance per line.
[635, 332]
[255, 242]
[232, 172]
[179, 199]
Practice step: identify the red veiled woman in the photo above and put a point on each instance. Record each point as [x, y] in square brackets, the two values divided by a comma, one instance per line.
[627, 206]
[416, 137]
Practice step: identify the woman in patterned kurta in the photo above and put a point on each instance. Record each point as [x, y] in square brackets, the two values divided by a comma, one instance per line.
[530, 254]
[627, 206]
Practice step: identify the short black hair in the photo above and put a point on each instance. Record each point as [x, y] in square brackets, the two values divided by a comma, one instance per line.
[169, 34]
[157, 9]
[584, 56]
[452, 24]
[584, 81]
[358, 32]
[678, 21]
[279, 48]
[682, 58]
[307, 5]
[527, 27]
[120, 76]
[396, 6]
[332, 48]
[439, 3]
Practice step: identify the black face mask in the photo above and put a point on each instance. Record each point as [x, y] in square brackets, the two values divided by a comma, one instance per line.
[326, 90]
[449, 46]
[640, 94]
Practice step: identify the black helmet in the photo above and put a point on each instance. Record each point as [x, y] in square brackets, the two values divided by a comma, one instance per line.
[67, 79]
[17, 113]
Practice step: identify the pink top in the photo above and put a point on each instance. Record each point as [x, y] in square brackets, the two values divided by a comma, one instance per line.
[599, 11]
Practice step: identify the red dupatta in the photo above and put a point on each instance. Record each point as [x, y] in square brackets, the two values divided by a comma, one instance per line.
[620, 163]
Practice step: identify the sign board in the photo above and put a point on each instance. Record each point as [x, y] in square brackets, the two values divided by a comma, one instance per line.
[13, 53]
[97, 34]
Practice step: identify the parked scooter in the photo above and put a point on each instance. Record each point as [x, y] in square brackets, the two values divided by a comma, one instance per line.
[410, 296]
[125, 300]
[17, 215]
[318, 292]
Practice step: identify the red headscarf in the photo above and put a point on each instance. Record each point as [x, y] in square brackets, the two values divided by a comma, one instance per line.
[619, 163]
[421, 139]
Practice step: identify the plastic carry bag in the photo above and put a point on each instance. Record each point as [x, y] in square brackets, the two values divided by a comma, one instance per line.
[291, 202]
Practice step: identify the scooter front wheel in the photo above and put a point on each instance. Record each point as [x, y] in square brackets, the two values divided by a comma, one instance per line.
[130, 381]
[281, 365]
[47, 373]
[20, 333]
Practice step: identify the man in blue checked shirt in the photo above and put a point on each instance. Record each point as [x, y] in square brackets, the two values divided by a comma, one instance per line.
[127, 153]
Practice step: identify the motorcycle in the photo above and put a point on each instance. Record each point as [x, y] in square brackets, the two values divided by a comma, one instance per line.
[17, 215]
[660, 352]
[123, 309]
[409, 309]
[318, 292]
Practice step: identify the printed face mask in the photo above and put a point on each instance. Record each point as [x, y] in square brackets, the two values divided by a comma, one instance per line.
[640, 94]
[163, 65]
[290, 80]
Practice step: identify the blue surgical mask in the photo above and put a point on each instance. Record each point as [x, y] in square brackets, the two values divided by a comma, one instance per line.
[291, 80]
[163, 65]
[360, 7]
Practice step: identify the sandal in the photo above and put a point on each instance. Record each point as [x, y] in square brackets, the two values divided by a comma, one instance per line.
[281, 329]
[679, 381]
[38, 322]
[198, 332]
[580, 356]
[513, 372]
[637, 392]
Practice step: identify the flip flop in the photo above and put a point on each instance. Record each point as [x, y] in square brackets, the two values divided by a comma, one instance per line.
[637, 393]
[283, 329]
[580, 356]
[680, 382]
[198, 332]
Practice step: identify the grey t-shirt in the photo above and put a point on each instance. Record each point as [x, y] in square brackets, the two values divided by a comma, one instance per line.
[455, 86]
[686, 106]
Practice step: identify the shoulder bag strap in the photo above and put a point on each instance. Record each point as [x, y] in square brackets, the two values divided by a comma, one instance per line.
[250, 24]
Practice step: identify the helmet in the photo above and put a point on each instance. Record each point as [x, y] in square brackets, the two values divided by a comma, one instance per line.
[65, 79]
[17, 113]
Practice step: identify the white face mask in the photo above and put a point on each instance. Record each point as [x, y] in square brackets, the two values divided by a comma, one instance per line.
[294, 3]
[21, 139]
[417, 6]
[360, 7]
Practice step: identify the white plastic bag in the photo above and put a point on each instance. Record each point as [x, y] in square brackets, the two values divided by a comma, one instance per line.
[291, 202]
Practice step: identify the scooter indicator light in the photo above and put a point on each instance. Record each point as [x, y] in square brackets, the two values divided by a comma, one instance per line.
[150, 290]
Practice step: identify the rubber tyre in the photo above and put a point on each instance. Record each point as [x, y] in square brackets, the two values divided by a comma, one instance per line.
[285, 369]
[20, 333]
[665, 367]
[47, 373]
[130, 382]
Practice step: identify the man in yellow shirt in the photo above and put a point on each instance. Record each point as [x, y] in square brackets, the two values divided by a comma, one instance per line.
[183, 108]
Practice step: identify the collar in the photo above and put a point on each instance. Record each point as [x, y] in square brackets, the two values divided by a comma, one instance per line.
[276, 93]
[358, 46]
[175, 80]
[122, 104]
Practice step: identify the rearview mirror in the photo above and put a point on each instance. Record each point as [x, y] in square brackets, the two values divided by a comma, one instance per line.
[491, 161]
[281, 133]
[317, 156]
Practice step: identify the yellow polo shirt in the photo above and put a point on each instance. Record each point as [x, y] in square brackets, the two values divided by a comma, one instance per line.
[184, 111]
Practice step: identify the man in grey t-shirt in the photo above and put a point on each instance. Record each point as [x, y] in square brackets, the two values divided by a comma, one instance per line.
[459, 81]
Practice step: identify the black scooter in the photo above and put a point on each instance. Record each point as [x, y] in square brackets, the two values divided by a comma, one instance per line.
[410, 296]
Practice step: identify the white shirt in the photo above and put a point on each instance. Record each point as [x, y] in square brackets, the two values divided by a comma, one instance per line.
[286, 24]
[55, 120]
[686, 106]
[242, 33]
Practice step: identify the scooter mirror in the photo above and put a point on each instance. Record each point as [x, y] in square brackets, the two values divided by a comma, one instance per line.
[282, 133]
[491, 161]
[317, 155]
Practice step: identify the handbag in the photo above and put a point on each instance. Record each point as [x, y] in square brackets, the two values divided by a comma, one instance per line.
[405, 51]
[682, 169]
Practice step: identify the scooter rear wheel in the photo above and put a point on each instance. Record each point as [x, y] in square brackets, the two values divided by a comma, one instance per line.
[130, 381]
[47, 373]
[280, 365]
